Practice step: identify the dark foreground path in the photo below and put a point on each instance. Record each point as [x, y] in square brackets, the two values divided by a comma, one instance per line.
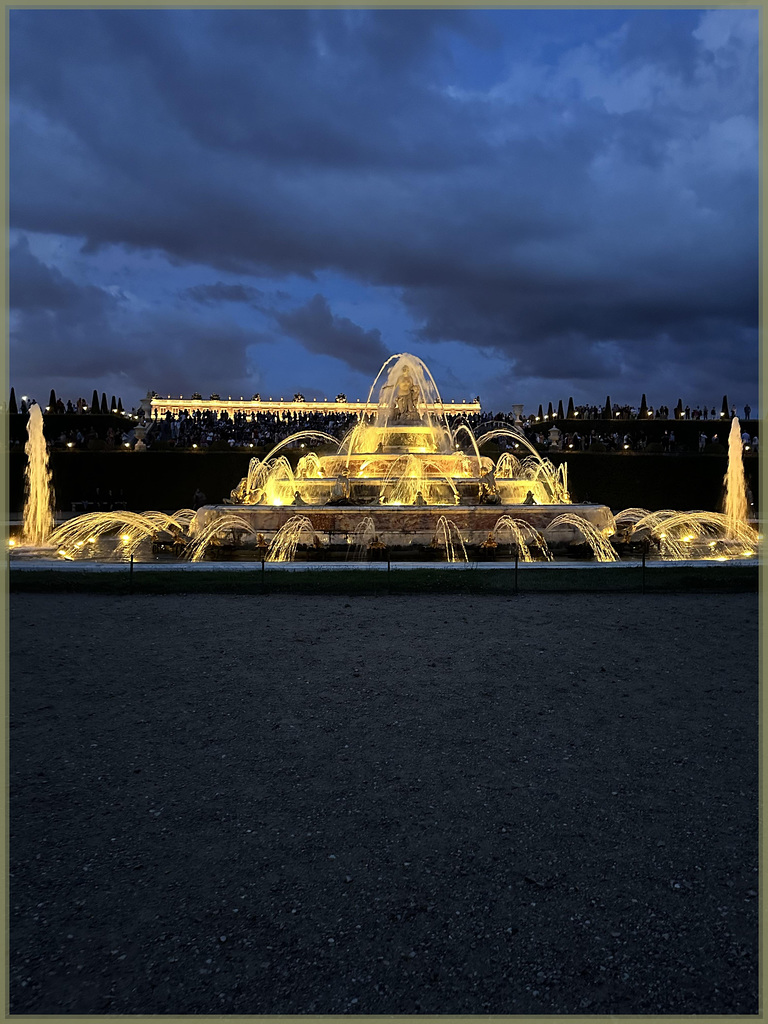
[444, 805]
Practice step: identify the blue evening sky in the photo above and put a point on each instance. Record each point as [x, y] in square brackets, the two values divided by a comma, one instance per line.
[540, 204]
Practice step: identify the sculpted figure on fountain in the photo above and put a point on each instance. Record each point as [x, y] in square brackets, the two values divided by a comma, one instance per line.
[407, 394]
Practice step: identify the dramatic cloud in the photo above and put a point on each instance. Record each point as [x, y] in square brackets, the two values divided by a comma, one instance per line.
[211, 294]
[318, 330]
[83, 336]
[564, 196]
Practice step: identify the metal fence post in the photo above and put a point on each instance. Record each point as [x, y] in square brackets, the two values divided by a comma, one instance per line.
[645, 549]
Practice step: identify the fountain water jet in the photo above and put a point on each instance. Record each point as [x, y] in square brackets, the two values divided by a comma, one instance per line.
[288, 537]
[38, 506]
[448, 536]
[523, 536]
[601, 547]
[735, 484]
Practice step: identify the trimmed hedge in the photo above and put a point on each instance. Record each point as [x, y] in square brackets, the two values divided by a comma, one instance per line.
[168, 480]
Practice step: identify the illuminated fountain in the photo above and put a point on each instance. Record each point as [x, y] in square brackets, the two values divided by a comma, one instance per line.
[124, 532]
[403, 480]
[735, 484]
[38, 520]
[404, 483]
[676, 536]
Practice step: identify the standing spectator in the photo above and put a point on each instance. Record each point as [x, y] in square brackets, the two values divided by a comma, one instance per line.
[702, 441]
[747, 411]
[199, 499]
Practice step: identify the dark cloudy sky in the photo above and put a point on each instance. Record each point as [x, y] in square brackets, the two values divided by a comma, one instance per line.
[538, 203]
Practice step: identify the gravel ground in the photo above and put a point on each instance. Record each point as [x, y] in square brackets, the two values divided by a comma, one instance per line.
[389, 805]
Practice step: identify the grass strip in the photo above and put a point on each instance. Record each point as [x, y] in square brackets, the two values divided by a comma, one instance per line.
[599, 579]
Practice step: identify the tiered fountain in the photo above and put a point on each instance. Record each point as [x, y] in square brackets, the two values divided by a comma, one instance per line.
[416, 482]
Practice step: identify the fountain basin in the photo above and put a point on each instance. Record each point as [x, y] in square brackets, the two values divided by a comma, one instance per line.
[406, 525]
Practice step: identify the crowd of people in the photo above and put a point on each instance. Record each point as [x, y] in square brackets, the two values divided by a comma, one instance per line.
[200, 429]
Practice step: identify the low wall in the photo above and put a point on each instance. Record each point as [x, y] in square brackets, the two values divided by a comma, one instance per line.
[168, 480]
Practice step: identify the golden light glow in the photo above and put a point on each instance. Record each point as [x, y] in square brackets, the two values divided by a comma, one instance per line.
[403, 453]
[11, 543]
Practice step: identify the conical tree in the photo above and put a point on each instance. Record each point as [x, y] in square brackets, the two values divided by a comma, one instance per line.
[570, 414]
[607, 410]
[540, 413]
[12, 407]
[119, 405]
[52, 401]
[643, 408]
[560, 413]
[550, 412]
[113, 405]
[104, 406]
[95, 401]
[724, 413]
